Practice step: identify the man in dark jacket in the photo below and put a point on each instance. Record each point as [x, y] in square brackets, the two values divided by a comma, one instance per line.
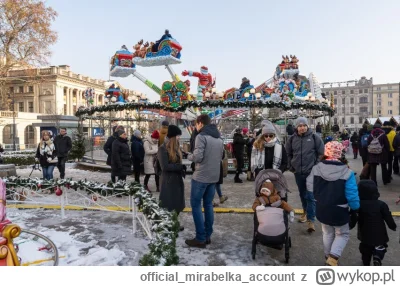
[363, 149]
[238, 151]
[396, 147]
[120, 156]
[63, 145]
[108, 146]
[304, 150]
[137, 151]
[318, 129]
[372, 232]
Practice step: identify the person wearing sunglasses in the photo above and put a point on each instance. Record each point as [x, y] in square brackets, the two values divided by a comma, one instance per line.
[268, 152]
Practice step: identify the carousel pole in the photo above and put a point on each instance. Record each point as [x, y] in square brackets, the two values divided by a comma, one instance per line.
[174, 75]
[147, 82]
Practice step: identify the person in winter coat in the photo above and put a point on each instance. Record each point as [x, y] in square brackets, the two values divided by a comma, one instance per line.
[238, 148]
[108, 146]
[335, 191]
[163, 132]
[345, 135]
[390, 134]
[396, 148]
[363, 150]
[63, 145]
[290, 128]
[354, 144]
[372, 216]
[207, 155]
[268, 152]
[304, 150]
[150, 145]
[318, 129]
[121, 164]
[375, 159]
[46, 155]
[137, 151]
[172, 188]
[249, 147]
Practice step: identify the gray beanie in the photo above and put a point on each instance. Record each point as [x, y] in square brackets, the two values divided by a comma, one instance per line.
[268, 127]
[301, 120]
[120, 132]
[137, 133]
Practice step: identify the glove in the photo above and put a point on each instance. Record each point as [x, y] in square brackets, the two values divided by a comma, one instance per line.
[353, 218]
[185, 73]
[291, 216]
[260, 208]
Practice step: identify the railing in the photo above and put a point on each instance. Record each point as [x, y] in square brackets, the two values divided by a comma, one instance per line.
[8, 113]
[45, 71]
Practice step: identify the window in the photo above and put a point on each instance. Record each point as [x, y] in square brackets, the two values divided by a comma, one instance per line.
[11, 89]
[364, 109]
[351, 109]
[351, 91]
[30, 106]
[378, 103]
[343, 110]
[363, 99]
[343, 121]
[351, 100]
[390, 111]
[378, 112]
[351, 120]
[30, 88]
[343, 100]
[335, 92]
[389, 87]
[378, 88]
[335, 101]
[366, 90]
[360, 91]
[390, 103]
[20, 106]
[360, 120]
[343, 92]
[65, 109]
[390, 95]
[21, 89]
[29, 134]
[378, 95]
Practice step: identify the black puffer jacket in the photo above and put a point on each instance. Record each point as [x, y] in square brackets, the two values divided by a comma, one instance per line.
[238, 145]
[120, 158]
[108, 147]
[63, 145]
[373, 214]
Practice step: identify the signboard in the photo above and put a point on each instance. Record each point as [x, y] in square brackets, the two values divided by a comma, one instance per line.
[98, 132]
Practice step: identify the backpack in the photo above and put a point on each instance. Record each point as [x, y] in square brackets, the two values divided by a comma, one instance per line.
[364, 140]
[157, 166]
[375, 146]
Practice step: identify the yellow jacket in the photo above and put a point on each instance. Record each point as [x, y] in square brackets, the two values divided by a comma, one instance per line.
[390, 137]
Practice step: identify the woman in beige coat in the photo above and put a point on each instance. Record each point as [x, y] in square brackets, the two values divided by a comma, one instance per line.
[150, 145]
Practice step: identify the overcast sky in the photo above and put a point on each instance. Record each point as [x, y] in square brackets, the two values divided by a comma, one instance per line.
[336, 40]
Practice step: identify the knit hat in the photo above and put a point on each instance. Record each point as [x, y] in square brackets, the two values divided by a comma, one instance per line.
[155, 134]
[173, 131]
[301, 120]
[137, 133]
[245, 130]
[386, 123]
[118, 127]
[333, 150]
[165, 123]
[120, 132]
[268, 127]
[267, 188]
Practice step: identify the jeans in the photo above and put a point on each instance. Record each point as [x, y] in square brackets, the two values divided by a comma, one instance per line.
[306, 197]
[48, 172]
[335, 239]
[218, 189]
[61, 166]
[204, 225]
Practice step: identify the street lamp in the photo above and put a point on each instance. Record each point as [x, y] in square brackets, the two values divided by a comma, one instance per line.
[11, 102]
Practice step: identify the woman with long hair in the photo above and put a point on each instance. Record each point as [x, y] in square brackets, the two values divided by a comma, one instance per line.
[172, 189]
[46, 155]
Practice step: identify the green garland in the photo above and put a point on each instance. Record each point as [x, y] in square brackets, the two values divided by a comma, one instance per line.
[164, 224]
[117, 119]
[202, 104]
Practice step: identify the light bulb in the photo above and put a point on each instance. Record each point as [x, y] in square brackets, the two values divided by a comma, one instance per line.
[252, 90]
[246, 95]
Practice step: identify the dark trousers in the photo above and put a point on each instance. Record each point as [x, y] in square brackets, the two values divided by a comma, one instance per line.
[390, 164]
[396, 164]
[61, 166]
[136, 171]
[147, 177]
[120, 178]
[377, 253]
[240, 165]
[372, 173]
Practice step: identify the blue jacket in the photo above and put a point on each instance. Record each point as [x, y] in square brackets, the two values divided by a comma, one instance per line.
[335, 190]
[137, 150]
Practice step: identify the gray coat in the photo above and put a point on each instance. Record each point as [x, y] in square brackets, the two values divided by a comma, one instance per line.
[207, 155]
[172, 189]
[304, 151]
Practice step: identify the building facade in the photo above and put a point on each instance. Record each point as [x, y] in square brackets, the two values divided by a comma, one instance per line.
[386, 101]
[353, 101]
[54, 94]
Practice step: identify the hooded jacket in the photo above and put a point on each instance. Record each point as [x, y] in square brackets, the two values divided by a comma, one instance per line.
[107, 147]
[304, 151]
[273, 198]
[335, 190]
[390, 134]
[372, 216]
[207, 155]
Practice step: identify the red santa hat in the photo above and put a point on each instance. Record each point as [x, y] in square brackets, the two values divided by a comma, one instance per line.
[204, 68]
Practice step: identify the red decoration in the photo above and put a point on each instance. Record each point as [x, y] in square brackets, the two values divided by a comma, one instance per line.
[39, 186]
[58, 192]
[94, 198]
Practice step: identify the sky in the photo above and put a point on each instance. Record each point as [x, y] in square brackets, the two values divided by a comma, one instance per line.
[336, 40]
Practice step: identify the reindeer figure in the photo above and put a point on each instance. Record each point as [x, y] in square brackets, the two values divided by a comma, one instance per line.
[294, 61]
[137, 48]
[287, 63]
[143, 50]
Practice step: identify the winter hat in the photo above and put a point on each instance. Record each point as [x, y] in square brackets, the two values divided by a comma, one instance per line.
[368, 190]
[118, 127]
[173, 131]
[137, 133]
[155, 134]
[165, 123]
[386, 123]
[333, 150]
[120, 132]
[301, 120]
[268, 127]
[245, 130]
[267, 188]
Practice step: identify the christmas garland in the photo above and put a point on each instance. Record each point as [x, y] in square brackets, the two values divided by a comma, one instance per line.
[205, 104]
[164, 224]
[117, 119]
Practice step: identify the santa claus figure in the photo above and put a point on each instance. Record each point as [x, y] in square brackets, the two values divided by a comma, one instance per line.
[205, 81]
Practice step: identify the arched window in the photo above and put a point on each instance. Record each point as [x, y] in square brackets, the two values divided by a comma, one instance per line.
[29, 135]
[8, 134]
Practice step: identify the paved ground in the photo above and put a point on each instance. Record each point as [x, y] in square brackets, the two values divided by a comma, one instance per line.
[231, 242]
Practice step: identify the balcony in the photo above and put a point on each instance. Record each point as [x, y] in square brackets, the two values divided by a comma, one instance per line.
[8, 114]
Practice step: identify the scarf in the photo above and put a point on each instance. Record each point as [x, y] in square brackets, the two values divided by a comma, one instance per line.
[46, 148]
[258, 157]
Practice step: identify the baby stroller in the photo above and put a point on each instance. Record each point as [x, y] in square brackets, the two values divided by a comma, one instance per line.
[271, 226]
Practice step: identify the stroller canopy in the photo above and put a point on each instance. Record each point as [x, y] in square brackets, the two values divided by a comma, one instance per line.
[276, 177]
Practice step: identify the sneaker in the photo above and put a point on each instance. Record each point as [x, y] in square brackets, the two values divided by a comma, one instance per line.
[303, 218]
[310, 226]
[215, 204]
[331, 261]
[238, 181]
[195, 243]
[222, 199]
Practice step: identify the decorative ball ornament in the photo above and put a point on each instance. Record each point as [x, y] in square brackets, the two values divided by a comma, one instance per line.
[94, 198]
[68, 186]
[113, 99]
[59, 192]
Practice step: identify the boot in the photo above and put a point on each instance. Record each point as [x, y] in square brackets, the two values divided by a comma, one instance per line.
[331, 261]
[310, 226]
[147, 189]
[303, 217]
[215, 204]
[195, 243]
[237, 179]
[222, 199]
